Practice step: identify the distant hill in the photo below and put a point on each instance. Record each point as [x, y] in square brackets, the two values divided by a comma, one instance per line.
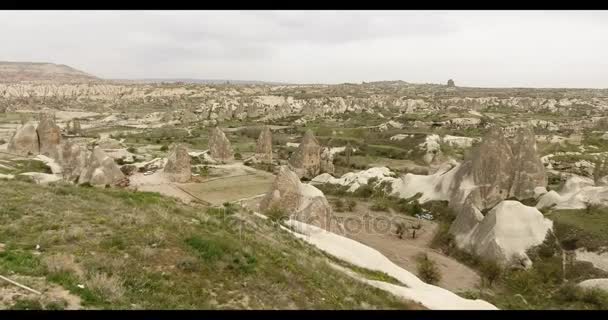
[42, 72]
[199, 81]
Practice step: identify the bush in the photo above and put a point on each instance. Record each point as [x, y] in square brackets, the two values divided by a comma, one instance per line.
[428, 270]
[164, 147]
[379, 205]
[351, 204]
[401, 229]
[276, 214]
[490, 271]
[339, 205]
[131, 149]
[238, 156]
[364, 191]
[109, 287]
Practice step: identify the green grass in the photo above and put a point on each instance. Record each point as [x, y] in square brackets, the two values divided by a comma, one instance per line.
[22, 166]
[153, 252]
[589, 229]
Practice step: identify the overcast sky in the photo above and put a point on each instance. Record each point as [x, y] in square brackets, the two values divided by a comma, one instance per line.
[475, 48]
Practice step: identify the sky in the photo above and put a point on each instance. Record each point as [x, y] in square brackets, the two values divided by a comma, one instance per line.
[475, 48]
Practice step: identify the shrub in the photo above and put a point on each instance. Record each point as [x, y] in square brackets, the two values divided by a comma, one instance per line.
[339, 205]
[128, 170]
[379, 205]
[401, 228]
[596, 296]
[62, 262]
[364, 191]
[490, 271]
[189, 265]
[2, 141]
[428, 270]
[108, 287]
[164, 147]
[131, 149]
[351, 204]
[276, 214]
[238, 156]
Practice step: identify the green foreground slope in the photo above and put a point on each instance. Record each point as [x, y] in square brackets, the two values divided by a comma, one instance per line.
[134, 250]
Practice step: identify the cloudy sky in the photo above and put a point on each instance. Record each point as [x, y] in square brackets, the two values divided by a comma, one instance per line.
[475, 48]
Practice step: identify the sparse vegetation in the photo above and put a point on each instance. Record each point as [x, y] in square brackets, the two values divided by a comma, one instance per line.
[428, 270]
[137, 233]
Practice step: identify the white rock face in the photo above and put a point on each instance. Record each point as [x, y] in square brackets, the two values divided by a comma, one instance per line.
[300, 201]
[73, 159]
[219, 145]
[41, 178]
[354, 179]
[358, 254]
[508, 230]
[306, 161]
[576, 193]
[264, 146]
[595, 284]
[25, 140]
[177, 168]
[49, 137]
[598, 259]
[100, 169]
[432, 147]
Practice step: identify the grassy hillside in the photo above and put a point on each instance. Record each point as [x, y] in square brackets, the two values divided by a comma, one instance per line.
[133, 250]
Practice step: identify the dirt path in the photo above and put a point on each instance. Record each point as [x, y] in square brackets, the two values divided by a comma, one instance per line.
[373, 229]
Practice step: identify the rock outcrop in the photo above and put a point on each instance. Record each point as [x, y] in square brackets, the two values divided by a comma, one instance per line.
[219, 146]
[506, 233]
[177, 168]
[49, 137]
[496, 171]
[263, 150]
[528, 170]
[306, 160]
[24, 141]
[327, 161]
[73, 159]
[302, 202]
[100, 169]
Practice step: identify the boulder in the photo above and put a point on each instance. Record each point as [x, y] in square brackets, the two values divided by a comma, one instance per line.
[506, 233]
[263, 149]
[601, 284]
[49, 137]
[100, 169]
[178, 167]
[302, 202]
[306, 160]
[24, 141]
[219, 146]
